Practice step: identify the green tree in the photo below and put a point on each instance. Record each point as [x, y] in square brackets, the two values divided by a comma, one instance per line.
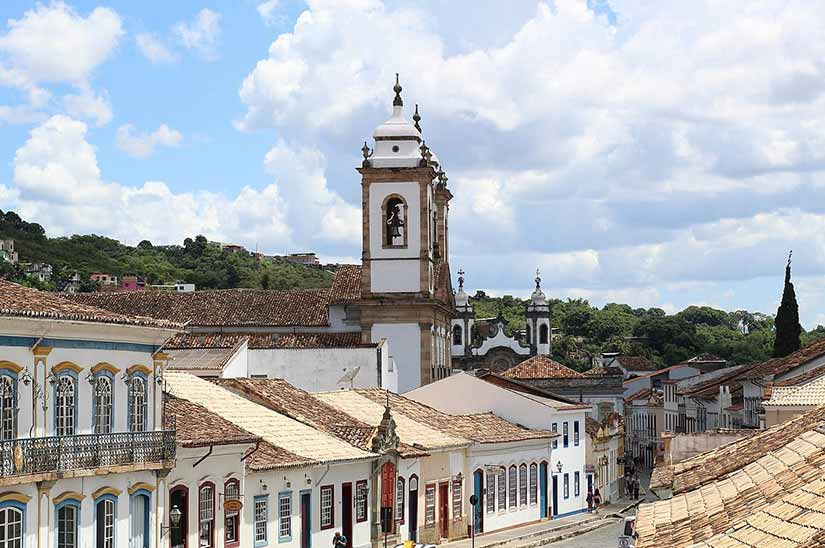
[787, 325]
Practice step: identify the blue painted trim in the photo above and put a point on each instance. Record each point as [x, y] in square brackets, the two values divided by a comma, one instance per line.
[147, 538]
[104, 373]
[97, 501]
[567, 514]
[22, 509]
[308, 493]
[145, 399]
[8, 340]
[63, 503]
[283, 495]
[65, 373]
[264, 542]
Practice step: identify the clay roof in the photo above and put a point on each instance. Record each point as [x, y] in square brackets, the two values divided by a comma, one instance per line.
[267, 340]
[272, 457]
[308, 443]
[810, 393]
[654, 373]
[443, 283]
[196, 426]
[775, 500]
[219, 307]
[346, 286]
[481, 427]
[636, 363]
[592, 426]
[541, 367]
[644, 393]
[808, 376]
[708, 467]
[200, 359]
[710, 388]
[19, 301]
[603, 372]
[778, 366]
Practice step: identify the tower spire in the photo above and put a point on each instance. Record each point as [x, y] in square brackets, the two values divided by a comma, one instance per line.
[461, 279]
[397, 102]
[538, 279]
[417, 119]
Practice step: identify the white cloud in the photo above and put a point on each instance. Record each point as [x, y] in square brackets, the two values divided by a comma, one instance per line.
[202, 34]
[154, 49]
[89, 106]
[53, 43]
[141, 145]
[266, 11]
[58, 182]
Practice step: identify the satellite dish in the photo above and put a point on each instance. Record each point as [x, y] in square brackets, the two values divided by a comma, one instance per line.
[349, 376]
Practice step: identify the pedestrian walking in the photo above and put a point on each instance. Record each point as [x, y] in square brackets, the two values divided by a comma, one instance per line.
[597, 499]
[589, 501]
[636, 488]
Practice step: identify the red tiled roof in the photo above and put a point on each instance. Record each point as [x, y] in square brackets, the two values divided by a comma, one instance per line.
[19, 301]
[654, 373]
[267, 340]
[271, 457]
[443, 284]
[196, 426]
[803, 378]
[541, 367]
[778, 366]
[220, 307]
[637, 363]
[603, 372]
[591, 426]
[644, 393]
[346, 286]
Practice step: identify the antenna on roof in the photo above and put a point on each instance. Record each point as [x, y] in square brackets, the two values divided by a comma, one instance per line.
[349, 376]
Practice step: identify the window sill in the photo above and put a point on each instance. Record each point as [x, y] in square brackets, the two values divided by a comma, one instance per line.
[394, 246]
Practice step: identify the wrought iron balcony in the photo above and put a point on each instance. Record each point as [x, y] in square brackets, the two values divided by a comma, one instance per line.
[25, 456]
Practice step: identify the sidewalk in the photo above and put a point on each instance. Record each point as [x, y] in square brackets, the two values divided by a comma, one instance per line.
[538, 532]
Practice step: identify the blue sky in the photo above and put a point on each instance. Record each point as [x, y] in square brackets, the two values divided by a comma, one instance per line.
[658, 154]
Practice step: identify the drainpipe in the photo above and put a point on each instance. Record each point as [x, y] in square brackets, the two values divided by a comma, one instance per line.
[257, 444]
[203, 458]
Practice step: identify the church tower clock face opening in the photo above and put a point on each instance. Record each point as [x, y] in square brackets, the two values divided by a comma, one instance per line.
[405, 287]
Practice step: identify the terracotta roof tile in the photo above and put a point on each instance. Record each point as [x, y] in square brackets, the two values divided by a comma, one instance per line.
[19, 301]
[346, 286]
[708, 467]
[541, 367]
[272, 457]
[810, 393]
[267, 340]
[637, 363]
[802, 378]
[219, 307]
[603, 372]
[196, 426]
[778, 366]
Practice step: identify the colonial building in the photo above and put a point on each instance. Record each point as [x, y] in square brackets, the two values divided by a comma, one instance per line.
[384, 323]
[84, 455]
[488, 343]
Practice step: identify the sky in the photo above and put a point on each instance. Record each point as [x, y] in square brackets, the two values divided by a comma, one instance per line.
[654, 153]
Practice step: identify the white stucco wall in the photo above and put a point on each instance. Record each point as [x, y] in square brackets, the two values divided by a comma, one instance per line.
[405, 348]
[395, 276]
[501, 340]
[402, 275]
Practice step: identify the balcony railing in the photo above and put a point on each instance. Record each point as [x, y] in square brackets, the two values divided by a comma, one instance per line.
[26, 456]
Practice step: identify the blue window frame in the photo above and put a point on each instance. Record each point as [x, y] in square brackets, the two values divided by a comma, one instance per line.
[103, 403]
[285, 516]
[105, 521]
[8, 404]
[65, 403]
[137, 387]
[140, 507]
[13, 522]
[67, 523]
[260, 516]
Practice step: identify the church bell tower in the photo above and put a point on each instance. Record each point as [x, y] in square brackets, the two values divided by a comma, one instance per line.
[406, 295]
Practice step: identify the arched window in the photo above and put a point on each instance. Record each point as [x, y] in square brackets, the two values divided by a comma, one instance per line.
[232, 491]
[206, 516]
[105, 512]
[8, 407]
[502, 489]
[512, 487]
[399, 500]
[179, 498]
[543, 333]
[64, 404]
[140, 505]
[11, 526]
[394, 213]
[522, 485]
[68, 516]
[137, 403]
[534, 483]
[491, 492]
[457, 335]
[102, 404]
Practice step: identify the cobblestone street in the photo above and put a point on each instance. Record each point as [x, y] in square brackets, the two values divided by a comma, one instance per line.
[604, 537]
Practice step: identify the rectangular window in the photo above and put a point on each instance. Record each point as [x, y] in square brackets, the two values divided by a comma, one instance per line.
[261, 516]
[512, 487]
[491, 492]
[555, 428]
[565, 434]
[576, 484]
[456, 499]
[522, 485]
[567, 486]
[576, 433]
[399, 500]
[534, 483]
[361, 501]
[502, 489]
[284, 517]
[429, 505]
[327, 508]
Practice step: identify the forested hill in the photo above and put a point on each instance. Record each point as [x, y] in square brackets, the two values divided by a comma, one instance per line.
[195, 261]
[585, 330]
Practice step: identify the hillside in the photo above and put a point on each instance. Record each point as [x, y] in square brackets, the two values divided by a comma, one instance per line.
[196, 261]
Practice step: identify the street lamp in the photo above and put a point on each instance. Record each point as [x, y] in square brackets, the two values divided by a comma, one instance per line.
[174, 521]
[559, 466]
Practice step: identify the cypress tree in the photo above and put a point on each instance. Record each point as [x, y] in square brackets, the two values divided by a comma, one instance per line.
[787, 320]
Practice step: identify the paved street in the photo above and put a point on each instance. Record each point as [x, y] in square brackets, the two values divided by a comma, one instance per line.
[604, 537]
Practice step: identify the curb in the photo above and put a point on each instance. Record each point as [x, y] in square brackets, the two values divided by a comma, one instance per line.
[567, 535]
[530, 538]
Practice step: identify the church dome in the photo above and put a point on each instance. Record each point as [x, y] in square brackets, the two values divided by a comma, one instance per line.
[397, 126]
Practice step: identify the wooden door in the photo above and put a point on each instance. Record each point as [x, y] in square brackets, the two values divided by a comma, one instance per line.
[346, 512]
[555, 496]
[444, 509]
[412, 505]
[543, 489]
[478, 507]
[306, 520]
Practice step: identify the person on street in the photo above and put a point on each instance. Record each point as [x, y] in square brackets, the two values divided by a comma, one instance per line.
[597, 499]
[636, 488]
[589, 501]
[339, 540]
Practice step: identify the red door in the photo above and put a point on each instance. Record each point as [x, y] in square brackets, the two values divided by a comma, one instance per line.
[388, 491]
[346, 512]
[444, 509]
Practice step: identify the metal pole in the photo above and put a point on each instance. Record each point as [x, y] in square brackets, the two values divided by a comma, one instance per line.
[473, 529]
